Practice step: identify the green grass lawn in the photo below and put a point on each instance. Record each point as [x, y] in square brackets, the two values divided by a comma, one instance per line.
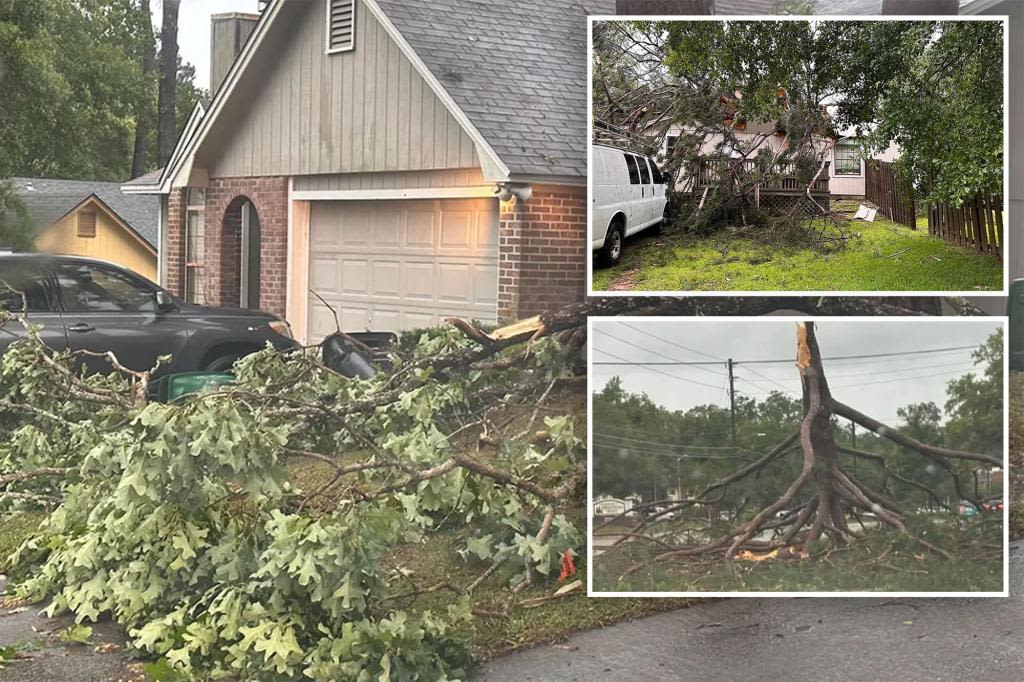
[882, 256]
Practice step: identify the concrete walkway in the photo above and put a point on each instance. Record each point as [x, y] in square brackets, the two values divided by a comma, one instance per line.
[845, 640]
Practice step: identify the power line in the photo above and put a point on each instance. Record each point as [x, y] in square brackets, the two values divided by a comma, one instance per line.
[653, 352]
[672, 343]
[658, 371]
[663, 443]
[920, 376]
[791, 360]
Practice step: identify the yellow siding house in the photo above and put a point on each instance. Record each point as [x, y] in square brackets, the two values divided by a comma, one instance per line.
[93, 219]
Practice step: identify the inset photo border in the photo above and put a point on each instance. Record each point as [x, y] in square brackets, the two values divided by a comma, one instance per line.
[797, 456]
[717, 168]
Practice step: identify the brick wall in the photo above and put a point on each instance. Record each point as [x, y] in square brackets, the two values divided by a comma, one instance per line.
[221, 268]
[542, 251]
[174, 254]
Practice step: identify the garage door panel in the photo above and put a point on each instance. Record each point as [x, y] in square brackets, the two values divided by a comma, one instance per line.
[420, 229]
[387, 229]
[395, 265]
[486, 284]
[324, 275]
[355, 276]
[387, 279]
[454, 283]
[456, 230]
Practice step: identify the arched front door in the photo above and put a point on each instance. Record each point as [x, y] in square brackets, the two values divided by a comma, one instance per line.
[240, 255]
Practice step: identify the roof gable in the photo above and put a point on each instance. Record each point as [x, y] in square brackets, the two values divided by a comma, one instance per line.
[48, 201]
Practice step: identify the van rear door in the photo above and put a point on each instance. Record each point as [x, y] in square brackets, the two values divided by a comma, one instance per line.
[659, 189]
[635, 218]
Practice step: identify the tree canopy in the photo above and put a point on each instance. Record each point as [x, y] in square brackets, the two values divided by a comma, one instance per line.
[74, 88]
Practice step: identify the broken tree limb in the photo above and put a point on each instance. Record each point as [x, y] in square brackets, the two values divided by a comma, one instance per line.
[903, 439]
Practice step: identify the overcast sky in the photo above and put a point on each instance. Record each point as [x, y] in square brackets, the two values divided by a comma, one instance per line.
[194, 29]
[877, 387]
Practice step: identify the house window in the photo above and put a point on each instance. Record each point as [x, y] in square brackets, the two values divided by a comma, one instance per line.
[670, 147]
[195, 246]
[341, 25]
[847, 155]
[87, 224]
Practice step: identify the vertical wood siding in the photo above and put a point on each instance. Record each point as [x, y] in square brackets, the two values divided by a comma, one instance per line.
[298, 111]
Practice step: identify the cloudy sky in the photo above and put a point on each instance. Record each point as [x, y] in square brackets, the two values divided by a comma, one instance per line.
[194, 29]
[876, 386]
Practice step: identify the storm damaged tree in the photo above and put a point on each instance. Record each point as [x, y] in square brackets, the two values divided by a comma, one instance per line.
[815, 507]
[755, 108]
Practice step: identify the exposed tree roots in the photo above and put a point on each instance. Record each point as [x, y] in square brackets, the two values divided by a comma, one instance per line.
[831, 494]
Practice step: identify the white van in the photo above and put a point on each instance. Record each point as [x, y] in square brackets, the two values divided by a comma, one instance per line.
[628, 196]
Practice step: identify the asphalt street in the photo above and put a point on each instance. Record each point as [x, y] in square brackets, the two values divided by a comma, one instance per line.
[841, 640]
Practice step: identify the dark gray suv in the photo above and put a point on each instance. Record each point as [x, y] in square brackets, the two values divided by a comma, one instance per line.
[85, 304]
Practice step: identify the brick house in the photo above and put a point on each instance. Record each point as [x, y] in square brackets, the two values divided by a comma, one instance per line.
[405, 161]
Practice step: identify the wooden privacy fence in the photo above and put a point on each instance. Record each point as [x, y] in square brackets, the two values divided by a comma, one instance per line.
[882, 188]
[977, 224]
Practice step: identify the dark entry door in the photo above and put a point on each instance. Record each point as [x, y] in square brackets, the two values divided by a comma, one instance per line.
[250, 294]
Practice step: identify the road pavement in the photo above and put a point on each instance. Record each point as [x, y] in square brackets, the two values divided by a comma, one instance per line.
[841, 640]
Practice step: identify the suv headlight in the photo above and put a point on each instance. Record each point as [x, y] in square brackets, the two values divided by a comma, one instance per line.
[281, 327]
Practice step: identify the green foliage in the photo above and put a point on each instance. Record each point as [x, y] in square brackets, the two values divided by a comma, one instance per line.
[17, 230]
[73, 88]
[179, 522]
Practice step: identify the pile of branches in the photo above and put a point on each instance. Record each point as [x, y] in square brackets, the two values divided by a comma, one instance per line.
[831, 492]
[179, 520]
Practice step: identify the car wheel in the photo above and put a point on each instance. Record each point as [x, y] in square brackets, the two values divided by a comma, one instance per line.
[612, 249]
[224, 363]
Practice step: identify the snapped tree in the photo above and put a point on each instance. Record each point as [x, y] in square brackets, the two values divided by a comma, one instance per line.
[829, 491]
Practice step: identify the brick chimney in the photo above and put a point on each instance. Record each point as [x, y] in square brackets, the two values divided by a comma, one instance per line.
[228, 34]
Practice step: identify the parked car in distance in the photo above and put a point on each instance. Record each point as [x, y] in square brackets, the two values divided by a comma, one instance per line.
[627, 196]
[660, 514]
[84, 304]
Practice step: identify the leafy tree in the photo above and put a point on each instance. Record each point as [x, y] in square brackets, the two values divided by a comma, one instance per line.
[77, 101]
[17, 231]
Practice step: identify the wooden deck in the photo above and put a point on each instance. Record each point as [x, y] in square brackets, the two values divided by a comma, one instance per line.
[781, 182]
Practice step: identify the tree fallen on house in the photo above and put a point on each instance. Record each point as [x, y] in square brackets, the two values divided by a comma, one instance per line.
[755, 109]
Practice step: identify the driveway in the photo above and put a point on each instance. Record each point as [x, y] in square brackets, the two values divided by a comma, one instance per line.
[845, 640]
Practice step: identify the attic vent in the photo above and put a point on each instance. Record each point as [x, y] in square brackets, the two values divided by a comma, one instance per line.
[87, 224]
[341, 25]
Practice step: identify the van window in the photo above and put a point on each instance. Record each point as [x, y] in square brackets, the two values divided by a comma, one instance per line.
[645, 172]
[634, 170]
[655, 172]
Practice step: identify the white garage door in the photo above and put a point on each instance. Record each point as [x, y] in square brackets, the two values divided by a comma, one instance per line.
[406, 264]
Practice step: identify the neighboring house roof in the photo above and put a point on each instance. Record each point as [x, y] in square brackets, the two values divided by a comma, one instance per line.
[50, 200]
[517, 70]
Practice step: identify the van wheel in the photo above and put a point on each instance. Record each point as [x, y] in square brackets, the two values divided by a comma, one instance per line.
[612, 249]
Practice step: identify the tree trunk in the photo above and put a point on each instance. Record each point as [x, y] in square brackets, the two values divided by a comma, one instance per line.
[144, 112]
[922, 7]
[168, 81]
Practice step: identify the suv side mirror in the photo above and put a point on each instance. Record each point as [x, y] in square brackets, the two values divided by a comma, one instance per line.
[666, 177]
[164, 302]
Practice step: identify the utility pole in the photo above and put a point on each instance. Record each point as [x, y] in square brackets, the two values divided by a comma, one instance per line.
[732, 400]
[853, 441]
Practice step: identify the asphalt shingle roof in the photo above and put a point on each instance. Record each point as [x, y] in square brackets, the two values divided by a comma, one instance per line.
[518, 70]
[50, 200]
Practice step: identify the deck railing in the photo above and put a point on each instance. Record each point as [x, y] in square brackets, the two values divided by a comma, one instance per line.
[781, 180]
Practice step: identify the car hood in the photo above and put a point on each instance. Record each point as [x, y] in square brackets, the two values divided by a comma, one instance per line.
[208, 311]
